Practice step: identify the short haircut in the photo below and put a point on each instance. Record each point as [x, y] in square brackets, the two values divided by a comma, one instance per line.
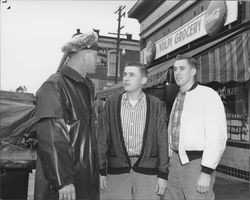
[143, 68]
[188, 58]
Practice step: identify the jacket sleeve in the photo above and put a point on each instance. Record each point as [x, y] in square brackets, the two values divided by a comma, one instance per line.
[215, 132]
[49, 101]
[53, 138]
[162, 139]
[103, 139]
[55, 151]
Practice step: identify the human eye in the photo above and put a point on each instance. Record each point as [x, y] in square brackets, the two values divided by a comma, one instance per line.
[182, 68]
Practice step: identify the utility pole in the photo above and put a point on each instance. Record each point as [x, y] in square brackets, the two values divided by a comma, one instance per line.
[120, 15]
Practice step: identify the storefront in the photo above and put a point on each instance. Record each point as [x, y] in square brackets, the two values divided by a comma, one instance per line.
[225, 68]
[217, 34]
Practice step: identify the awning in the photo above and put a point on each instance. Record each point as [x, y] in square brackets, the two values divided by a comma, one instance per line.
[158, 73]
[229, 61]
[156, 79]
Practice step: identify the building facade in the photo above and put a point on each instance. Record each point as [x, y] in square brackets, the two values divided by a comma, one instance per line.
[129, 51]
[217, 34]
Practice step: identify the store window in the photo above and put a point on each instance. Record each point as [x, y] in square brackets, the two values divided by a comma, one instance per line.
[112, 63]
[235, 96]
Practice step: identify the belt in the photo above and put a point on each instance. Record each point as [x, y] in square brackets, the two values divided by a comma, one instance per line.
[192, 155]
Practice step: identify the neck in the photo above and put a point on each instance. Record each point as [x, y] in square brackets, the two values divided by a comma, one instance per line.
[78, 69]
[135, 95]
[187, 87]
[75, 63]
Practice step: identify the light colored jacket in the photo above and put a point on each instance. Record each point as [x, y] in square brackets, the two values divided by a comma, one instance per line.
[203, 126]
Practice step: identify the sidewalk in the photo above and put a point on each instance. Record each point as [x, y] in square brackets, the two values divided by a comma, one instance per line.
[225, 188]
[230, 188]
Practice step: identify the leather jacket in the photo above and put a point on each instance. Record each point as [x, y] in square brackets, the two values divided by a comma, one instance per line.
[66, 136]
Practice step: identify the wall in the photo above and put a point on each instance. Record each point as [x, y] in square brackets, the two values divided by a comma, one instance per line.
[235, 162]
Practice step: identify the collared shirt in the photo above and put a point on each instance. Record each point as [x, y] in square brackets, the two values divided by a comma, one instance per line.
[133, 120]
[176, 118]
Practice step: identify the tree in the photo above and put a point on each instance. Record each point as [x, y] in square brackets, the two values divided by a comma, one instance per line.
[21, 89]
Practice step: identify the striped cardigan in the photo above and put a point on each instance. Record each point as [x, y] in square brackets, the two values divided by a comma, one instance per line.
[112, 153]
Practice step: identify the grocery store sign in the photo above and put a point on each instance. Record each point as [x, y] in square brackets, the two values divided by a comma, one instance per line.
[191, 31]
[196, 28]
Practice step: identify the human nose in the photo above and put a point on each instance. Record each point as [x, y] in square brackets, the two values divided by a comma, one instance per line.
[176, 71]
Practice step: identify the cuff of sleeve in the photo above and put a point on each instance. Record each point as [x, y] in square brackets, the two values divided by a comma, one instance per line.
[163, 175]
[57, 187]
[207, 170]
[103, 172]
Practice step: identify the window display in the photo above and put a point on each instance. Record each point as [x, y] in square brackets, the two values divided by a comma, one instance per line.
[235, 98]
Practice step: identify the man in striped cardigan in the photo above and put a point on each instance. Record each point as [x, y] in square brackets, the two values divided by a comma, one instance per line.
[132, 142]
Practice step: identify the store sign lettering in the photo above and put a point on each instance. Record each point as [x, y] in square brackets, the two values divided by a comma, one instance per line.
[166, 44]
[215, 17]
[237, 126]
[225, 92]
[207, 22]
[187, 33]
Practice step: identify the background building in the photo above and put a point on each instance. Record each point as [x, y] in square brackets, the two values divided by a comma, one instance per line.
[106, 64]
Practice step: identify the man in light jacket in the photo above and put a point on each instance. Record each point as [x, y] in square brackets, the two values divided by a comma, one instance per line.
[197, 134]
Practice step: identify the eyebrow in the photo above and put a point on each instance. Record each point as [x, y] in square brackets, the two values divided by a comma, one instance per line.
[129, 73]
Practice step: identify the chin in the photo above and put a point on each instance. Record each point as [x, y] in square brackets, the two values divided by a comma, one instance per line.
[179, 83]
[127, 89]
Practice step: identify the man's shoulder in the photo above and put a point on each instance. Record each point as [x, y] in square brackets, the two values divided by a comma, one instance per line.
[206, 94]
[206, 90]
[51, 82]
[153, 99]
[54, 78]
[114, 98]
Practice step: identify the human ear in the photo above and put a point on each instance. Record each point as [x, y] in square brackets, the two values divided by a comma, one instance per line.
[144, 80]
[83, 56]
[193, 71]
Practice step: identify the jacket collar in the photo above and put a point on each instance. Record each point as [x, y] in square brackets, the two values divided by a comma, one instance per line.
[193, 86]
[71, 73]
[125, 98]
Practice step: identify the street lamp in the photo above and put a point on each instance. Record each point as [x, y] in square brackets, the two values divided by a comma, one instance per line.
[123, 52]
